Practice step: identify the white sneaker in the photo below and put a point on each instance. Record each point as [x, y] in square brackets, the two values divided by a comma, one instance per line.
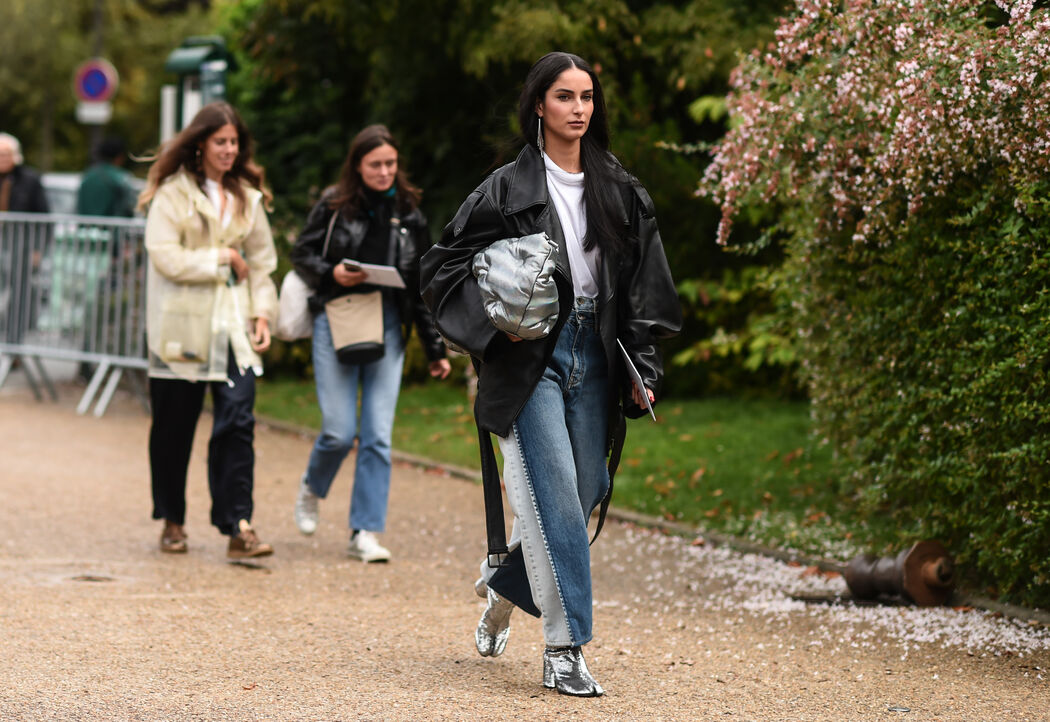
[306, 508]
[365, 546]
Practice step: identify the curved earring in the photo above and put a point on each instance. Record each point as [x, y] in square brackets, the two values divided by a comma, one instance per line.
[539, 133]
[197, 158]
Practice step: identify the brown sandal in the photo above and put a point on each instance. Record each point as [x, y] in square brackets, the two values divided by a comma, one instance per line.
[173, 538]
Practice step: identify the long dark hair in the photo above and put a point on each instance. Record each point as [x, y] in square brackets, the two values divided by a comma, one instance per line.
[183, 151]
[348, 193]
[602, 171]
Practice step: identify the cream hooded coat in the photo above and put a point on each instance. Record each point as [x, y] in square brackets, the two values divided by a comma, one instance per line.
[194, 313]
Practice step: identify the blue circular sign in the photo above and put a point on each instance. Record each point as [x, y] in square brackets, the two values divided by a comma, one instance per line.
[95, 80]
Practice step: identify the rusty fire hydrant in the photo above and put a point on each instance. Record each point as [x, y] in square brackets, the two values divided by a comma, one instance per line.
[924, 574]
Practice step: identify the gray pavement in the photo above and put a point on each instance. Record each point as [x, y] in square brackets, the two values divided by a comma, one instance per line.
[95, 623]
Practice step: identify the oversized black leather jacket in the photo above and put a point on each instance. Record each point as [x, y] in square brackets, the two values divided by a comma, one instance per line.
[347, 234]
[637, 301]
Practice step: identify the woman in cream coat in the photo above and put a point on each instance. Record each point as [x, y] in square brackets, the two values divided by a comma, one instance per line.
[210, 302]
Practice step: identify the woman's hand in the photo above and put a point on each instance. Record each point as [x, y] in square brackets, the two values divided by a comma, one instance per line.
[238, 266]
[440, 369]
[345, 277]
[637, 397]
[260, 334]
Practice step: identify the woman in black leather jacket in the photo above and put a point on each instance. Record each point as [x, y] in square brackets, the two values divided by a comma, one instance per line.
[557, 404]
[378, 221]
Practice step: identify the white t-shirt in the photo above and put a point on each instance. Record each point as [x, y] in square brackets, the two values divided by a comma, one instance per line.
[215, 193]
[566, 191]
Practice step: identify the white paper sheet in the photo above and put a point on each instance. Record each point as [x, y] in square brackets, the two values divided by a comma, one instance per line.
[378, 275]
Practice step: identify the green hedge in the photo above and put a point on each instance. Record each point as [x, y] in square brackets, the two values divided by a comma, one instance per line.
[904, 148]
[930, 376]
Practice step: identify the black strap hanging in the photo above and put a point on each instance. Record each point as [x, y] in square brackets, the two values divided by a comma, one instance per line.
[495, 524]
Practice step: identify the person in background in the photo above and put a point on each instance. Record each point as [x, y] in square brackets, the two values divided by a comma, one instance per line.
[557, 404]
[104, 188]
[105, 191]
[20, 192]
[209, 304]
[20, 188]
[373, 190]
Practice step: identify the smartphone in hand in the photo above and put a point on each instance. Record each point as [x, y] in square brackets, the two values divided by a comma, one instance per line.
[351, 265]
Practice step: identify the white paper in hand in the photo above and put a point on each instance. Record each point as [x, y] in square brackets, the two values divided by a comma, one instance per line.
[377, 275]
[636, 378]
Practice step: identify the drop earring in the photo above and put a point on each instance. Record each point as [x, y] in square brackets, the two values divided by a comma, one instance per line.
[539, 133]
[197, 158]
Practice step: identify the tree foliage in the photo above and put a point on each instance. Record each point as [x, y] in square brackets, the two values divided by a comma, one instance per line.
[41, 44]
[445, 76]
[904, 144]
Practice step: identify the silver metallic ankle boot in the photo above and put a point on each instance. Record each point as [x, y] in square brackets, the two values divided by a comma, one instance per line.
[565, 670]
[494, 626]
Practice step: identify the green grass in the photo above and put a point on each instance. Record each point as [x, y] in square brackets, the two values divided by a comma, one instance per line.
[744, 467]
[434, 420]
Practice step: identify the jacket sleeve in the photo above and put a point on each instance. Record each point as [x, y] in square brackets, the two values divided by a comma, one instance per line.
[168, 254]
[261, 256]
[649, 307]
[38, 197]
[306, 255]
[125, 206]
[433, 346]
[447, 282]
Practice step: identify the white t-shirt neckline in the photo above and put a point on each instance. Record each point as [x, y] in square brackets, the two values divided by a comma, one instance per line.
[215, 193]
[566, 192]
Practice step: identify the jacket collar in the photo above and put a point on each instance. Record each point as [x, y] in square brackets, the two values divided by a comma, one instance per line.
[198, 201]
[528, 185]
[528, 182]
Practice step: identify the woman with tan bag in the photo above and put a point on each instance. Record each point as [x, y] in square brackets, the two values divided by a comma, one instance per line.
[210, 302]
[365, 226]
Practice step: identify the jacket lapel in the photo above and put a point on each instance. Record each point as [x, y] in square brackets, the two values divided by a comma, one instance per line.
[199, 202]
[528, 184]
[526, 189]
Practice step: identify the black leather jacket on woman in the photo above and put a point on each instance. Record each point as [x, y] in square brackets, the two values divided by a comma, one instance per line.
[347, 236]
[26, 194]
[637, 301]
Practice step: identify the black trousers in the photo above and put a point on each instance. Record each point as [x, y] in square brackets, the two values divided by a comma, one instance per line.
[176, 407]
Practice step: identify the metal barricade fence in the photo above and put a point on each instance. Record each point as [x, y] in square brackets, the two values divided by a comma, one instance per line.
[73, 288]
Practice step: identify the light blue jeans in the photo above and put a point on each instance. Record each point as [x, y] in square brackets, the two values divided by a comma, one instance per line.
[338, 384]
[555, 474]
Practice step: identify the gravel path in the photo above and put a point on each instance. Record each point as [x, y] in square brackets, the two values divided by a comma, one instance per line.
[95, 623]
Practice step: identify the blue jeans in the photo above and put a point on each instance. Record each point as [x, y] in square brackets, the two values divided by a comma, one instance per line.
[338, 384]
[555, 473]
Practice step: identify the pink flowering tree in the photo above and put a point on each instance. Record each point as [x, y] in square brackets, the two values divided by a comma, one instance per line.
[861, 111]
[902, 150]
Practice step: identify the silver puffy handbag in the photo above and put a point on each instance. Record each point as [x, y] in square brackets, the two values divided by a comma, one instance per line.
[516, 280]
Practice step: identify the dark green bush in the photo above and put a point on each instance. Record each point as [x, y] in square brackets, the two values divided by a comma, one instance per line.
[930, 377]
[904, 145]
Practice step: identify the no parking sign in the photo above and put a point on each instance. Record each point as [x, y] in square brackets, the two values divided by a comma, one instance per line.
[94, 83]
